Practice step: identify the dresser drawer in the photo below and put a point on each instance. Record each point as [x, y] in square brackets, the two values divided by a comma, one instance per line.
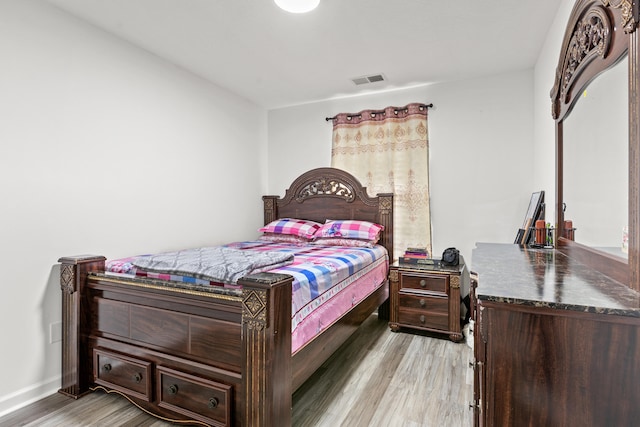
[128, 375]
[199, 398]
[425, 282]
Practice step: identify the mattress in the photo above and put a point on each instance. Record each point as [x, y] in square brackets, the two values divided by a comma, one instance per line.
[327, 280]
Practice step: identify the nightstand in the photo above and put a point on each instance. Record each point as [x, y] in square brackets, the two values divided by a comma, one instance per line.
[426, 297]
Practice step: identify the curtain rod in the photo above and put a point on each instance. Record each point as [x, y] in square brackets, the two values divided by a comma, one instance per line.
[379, 111]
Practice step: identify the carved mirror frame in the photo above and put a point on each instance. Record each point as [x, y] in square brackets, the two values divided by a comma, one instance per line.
[599, 33]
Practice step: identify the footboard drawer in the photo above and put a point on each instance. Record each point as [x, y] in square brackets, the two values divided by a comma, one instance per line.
[199, 398]
[128, 375]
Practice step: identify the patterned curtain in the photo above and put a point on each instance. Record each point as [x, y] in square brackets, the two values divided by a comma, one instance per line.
[388, 150]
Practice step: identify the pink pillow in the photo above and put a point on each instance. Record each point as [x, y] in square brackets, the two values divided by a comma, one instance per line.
[284, 238]
[296, 227]
[338, 241]
[350, 229]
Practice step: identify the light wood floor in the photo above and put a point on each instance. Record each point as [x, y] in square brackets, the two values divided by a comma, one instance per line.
[379, 378]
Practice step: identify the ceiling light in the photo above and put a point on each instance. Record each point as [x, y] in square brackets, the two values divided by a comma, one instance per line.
[297, 6]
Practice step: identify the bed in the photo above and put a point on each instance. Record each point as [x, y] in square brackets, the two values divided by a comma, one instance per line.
[216, 355]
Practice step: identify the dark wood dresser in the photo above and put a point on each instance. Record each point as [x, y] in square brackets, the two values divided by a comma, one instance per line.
[556, 342]
[427, 297]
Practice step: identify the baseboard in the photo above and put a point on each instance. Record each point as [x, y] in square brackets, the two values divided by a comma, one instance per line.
[28, 395]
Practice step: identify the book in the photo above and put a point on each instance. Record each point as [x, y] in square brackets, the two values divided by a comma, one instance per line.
[417, 250]
[420, 261]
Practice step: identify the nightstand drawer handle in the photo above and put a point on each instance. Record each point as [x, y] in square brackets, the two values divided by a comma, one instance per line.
[422, 319]
[423, 283]
[423, 303]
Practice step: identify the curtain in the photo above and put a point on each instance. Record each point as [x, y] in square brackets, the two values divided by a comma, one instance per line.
[388, 151]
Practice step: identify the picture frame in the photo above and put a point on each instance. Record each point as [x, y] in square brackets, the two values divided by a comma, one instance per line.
[535, 211]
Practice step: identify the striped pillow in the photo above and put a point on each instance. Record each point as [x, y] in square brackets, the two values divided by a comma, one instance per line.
[296, 227]
[350, 229]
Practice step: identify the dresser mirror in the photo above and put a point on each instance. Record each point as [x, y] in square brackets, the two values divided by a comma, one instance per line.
[595, 105]
[596, 153]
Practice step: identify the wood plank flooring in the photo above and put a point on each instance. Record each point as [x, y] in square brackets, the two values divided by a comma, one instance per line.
[379, 378]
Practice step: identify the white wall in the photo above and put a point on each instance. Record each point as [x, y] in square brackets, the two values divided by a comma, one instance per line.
[481, 152]
[544, 129]
[104, 149]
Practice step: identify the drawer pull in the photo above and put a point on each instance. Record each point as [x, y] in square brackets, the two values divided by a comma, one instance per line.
[423, 283]
[422, 318]
[173, 389]
[107, 367]
[213, 403]
[137, 377]
[423, 303]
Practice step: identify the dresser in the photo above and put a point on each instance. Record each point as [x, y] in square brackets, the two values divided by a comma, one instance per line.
[556, 343]
[428, 297]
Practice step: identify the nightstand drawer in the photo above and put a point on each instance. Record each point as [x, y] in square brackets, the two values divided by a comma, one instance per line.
[424, 303]
[430, 283]
[423, 319]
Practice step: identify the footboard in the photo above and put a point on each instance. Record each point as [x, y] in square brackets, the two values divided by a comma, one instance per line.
[182, 355]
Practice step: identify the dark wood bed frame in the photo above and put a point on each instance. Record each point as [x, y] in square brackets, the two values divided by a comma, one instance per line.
[195, 357]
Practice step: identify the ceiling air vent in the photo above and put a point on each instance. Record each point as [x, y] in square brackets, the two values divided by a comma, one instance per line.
[368, 79]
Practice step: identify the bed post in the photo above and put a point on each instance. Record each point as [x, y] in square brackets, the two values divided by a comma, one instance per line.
[385, 218]
[385, 215]
[76, 370]
[266, 349]
[270, 206]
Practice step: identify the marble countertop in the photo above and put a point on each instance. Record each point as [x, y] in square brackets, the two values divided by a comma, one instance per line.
[514, 274]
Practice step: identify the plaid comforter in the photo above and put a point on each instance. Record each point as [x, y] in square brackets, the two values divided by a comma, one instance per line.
[217, 263]
[317, 269]
[319, 272]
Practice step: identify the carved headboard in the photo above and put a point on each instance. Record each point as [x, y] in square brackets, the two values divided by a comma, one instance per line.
[329, 193]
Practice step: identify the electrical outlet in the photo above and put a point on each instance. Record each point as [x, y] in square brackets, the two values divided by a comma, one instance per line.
[55, 332]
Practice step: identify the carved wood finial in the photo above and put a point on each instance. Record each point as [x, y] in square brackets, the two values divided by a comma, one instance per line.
[393, 275]
[455, 282]
[67, 278]
[254, 309]
[386, 204]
